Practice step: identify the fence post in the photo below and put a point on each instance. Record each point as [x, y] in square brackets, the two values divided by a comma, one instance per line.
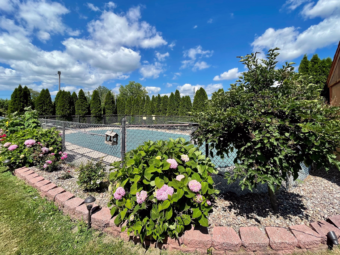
[64, 147]
[206, 149]
[123, 134]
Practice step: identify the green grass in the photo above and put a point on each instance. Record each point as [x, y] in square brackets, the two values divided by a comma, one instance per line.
[32, 225]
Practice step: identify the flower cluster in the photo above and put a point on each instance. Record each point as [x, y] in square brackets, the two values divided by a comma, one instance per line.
[198, 199]
[185, 158]
[44, 150]
[7, 144]
[12, 147]
[141, 196]
[29, 143]
[195, 186]
[162, 193]
[172, 162]
[120, 192]
[64, 155]
[179, 177]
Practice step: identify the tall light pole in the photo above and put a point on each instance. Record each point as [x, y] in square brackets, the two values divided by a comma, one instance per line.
[59, 73]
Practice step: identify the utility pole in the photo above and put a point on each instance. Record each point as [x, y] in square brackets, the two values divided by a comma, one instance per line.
[59, 73]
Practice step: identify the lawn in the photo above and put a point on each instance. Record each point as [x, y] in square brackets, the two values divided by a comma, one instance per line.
[32, 225]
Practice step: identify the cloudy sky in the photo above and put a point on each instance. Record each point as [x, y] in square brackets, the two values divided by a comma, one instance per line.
[164, 45]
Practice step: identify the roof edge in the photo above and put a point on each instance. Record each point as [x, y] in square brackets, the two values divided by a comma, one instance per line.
[335, 60]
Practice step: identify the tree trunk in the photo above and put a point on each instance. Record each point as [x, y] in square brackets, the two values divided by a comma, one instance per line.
[273, 200]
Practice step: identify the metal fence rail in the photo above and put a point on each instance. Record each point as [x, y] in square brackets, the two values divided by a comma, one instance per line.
[88, 139]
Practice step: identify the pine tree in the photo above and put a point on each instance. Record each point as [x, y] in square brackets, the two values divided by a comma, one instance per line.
[304, 67]
[157, 106]
[200, 101]
[185, 106]
[64, 105]
[96, 109]
[44, 105]
[13, 106]
[142, 106]
[56, 100]
[109, 104]
[153, 105]
[164, 105]
[82, 107]
[74, 101]
[136, 105]
[27, 100]
[147, 106]
[129, 106]
[171, 105]
[120, 106]
[177, 102]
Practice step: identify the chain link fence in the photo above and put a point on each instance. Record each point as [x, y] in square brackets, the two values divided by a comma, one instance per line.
[90, 140]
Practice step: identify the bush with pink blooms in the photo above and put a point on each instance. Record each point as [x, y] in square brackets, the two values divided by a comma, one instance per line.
[92, 175]
[162, 188]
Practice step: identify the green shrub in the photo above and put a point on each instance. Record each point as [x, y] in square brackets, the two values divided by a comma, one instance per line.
[29, 155]
[91, 175]
[153, 196]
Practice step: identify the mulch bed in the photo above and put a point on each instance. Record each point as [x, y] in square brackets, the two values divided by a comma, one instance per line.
[316, 198]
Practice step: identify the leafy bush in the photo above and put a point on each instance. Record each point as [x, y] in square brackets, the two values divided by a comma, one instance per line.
[91, 175]
[29, 147]
[274, 119]
[157, 198]
[15, 122]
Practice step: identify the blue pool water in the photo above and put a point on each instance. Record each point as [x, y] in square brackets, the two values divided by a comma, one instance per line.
[134, 138]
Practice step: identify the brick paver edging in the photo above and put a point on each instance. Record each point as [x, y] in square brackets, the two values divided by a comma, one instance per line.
[220, 240]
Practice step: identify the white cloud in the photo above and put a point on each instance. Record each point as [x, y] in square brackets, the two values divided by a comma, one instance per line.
[210, 21]
[110, 5]
[66, 88]
[104, 55]
[200, 65]
[153, 90]
[93, 7]
[169, 84]
[176, 75]
[293, 4]
[172, 45]
[229, 75]
[161, 57]
[211, 88]
[323, 9]
[193, 54]
[151, 70]
[293, 44]
[195, 26]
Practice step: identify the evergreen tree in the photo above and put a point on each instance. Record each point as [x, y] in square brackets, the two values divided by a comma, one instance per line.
[96, 107]
[56, 100]
[14, 98]
[215, 94]
[147, 106]
[142, 107]
[171, 105]
[44, 105]
[82, 107]
[136, 105]
[158, 103]
[177, 102]
[304, 67]
[164, 105]
[153, 105]
[109, 104]
[120, 105]
[74, 101]
[48, 103]
[27, 100]
[17, 101]
[185, 106]
[129, 106]
[200, 101]
[64, 105]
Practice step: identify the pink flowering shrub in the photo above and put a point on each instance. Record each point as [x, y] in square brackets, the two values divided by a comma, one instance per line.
[164, 182]
[91, 175]
[30, 142]
[12, 147]
[7, 144]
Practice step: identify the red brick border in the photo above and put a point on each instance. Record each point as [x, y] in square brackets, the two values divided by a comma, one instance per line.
[221, 240]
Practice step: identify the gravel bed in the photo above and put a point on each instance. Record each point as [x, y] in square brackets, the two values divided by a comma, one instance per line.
[71, 185]
[316, 198]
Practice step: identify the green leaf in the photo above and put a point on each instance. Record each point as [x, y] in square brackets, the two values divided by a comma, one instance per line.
[204, 187]
[154, 213]
[123, 213]
[128, 204]
[186, 219]
[130, 163]
[159, 182]
[165, 204]
[113, 210]
[196, 213]
[204, 221]
[168, 213]
[118, 220]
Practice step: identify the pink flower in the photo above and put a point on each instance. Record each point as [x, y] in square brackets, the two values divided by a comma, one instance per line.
[194, 186]
[208, 202]
[180, 177]
[65, 154]
[52, 154]
[120, 192]
[141, 196]
[39, 143]
[49, 162]
[162, 193]
[40, 155]
[198, 199]
[173, 163]
[44, 149]
[62, 158]
[7, 144]
[29, 142]
[12, 147]
[60, 152]
[44, 166]
[185, 158]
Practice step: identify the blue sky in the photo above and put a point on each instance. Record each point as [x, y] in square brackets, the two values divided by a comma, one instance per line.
[164, 45]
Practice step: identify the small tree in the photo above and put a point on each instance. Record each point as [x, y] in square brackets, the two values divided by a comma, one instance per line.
[27, 100]
[171, 105]
[164, 106]
[153, 105]
[96, 106]
[185, 106]
[272, 128]
[82, 107]
[74, 101]
[177, 101]
[142, 106]
[147, 106]
[120, 105]
[129, 106]
[304, 67]
[200, 101]
[64, 105]
[109, 104]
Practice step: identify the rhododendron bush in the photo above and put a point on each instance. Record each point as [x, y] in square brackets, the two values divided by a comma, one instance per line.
[162, 187]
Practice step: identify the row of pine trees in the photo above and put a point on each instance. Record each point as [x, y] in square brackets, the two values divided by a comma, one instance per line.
[67, 104]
